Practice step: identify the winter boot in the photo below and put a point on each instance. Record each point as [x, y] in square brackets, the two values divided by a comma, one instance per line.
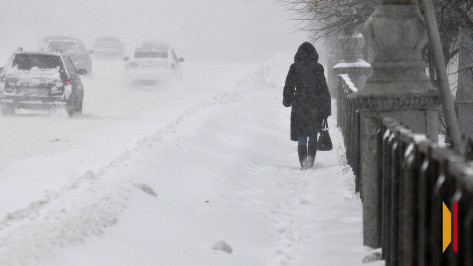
[302, 151]
[311, 152]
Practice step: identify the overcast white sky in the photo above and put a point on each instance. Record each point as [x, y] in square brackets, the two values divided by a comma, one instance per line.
[223, 30]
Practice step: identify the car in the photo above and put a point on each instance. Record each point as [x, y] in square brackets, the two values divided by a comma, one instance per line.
[151, 63]
[40, 80]
[72, 47]
[108, 47]
[43, 44]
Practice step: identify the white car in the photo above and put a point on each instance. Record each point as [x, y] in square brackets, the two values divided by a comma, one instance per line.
[152, 63]
[108, 47]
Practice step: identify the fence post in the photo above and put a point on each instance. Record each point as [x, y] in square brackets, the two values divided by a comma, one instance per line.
[398, 88]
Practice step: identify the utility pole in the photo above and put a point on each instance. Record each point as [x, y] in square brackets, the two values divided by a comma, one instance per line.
[446, 97]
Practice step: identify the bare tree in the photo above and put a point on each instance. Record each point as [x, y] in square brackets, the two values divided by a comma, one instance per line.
[330, 19]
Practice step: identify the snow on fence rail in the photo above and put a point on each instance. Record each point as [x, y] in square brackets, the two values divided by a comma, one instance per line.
[417, 177]
[348, 119]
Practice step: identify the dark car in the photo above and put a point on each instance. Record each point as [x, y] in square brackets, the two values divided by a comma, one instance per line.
[108, 47]
[72, 47]
[43, 44]
[34, 80]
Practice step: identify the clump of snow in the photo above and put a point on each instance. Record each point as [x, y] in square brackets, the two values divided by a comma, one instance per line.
[33, 77]
[376, 255]
[147, 189]
[358, 35]
[223, 246]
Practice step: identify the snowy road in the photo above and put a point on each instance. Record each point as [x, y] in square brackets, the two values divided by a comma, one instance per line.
[214, 149]
[42, 150]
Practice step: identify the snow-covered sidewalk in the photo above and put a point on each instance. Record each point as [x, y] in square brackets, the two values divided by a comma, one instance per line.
[225, 170]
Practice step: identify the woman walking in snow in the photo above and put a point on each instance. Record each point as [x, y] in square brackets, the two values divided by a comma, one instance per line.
[307, 92]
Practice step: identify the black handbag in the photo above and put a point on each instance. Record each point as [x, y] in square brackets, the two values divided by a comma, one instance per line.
[324, 143]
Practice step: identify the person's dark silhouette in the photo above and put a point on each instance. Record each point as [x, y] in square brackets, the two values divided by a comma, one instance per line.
[307, 92]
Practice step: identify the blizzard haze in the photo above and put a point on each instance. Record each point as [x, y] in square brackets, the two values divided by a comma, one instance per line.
[214, 30]
[161, 162]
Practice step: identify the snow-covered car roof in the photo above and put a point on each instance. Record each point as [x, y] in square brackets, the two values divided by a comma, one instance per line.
[38, 52]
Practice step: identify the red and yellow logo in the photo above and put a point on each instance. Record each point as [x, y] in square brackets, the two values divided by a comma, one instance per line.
[447, 227]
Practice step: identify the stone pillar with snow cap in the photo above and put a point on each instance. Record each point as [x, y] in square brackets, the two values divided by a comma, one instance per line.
[352, 62]
[398, 88]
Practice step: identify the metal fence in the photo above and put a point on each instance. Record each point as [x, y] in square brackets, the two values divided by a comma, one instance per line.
[348, 119]
[417, 177]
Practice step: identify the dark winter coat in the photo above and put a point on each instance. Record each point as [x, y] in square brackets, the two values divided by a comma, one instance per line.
[307, 92]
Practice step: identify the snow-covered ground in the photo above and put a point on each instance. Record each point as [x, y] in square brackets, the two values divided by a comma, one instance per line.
[158, 176]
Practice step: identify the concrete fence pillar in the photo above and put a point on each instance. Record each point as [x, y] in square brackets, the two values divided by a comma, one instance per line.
[332, 80]
[351, 62]
[398, 88]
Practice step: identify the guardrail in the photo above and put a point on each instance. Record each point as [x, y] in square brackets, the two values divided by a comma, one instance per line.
[348, 119]
[417, 177]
